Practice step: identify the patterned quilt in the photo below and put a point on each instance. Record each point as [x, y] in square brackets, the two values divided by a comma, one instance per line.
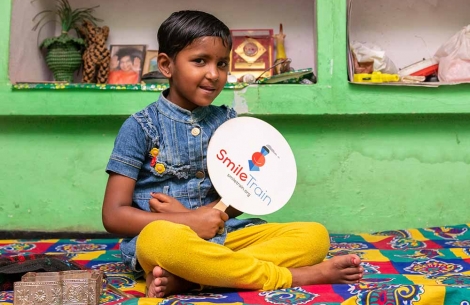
[414, 266]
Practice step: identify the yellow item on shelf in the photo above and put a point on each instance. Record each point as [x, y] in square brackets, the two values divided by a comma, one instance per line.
[376, 77]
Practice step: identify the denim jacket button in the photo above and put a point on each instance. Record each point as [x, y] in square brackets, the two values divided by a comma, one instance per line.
[200, 174]
[195, 131]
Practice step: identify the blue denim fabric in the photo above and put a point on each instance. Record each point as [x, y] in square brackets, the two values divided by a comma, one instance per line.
[168, 127]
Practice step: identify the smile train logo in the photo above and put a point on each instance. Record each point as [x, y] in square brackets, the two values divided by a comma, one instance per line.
[258, 159]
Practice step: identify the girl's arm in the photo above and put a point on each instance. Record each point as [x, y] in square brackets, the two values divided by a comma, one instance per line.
[161, 203]
[121, 218]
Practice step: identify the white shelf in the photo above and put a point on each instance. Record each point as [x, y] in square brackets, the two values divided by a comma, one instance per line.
[407, 30]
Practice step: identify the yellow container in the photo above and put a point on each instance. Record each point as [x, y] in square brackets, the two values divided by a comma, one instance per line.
[376, 77]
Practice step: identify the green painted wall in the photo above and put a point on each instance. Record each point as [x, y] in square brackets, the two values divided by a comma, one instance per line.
[369, 157]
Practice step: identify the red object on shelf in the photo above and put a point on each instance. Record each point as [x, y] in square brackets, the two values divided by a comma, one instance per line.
[427, 71]
[423, 67]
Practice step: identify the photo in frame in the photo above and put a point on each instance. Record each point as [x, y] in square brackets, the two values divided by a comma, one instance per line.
[252, 52]
[126, 64]
[151, 61]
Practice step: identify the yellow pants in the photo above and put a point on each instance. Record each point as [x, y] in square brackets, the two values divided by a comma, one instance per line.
[255, 257]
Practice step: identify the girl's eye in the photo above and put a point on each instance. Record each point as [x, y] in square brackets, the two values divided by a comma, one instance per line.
[223, 64]
[199, 61]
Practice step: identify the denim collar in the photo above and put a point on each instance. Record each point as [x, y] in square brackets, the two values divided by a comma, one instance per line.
[176, 113]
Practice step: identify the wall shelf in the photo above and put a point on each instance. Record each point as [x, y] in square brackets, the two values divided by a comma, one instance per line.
[286, 99]
[26, 60]
[105, 87]
[332, 95]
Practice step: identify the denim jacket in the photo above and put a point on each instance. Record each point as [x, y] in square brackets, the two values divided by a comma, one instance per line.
[180, 168]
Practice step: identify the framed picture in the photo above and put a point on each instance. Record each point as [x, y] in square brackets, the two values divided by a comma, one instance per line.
[151, 63]
[126, 64]
[252, 52]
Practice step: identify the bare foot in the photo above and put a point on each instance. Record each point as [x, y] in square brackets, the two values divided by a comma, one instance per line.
[161, 283]
[343, 269]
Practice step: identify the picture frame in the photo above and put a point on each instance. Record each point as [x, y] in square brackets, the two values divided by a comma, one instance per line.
[151, 61]
[252, 52]
[126, 64]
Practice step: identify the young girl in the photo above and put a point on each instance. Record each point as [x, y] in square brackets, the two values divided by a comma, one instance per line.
[160, 197]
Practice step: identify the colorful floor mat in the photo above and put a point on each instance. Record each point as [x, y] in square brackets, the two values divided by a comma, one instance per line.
[416, 266]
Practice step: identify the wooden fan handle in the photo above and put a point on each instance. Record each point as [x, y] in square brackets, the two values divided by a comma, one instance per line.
[221, 207]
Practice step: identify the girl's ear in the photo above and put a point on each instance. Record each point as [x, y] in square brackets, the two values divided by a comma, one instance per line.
[165, 64]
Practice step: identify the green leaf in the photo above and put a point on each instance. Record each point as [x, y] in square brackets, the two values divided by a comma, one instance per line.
[46, 15]
[69, 18]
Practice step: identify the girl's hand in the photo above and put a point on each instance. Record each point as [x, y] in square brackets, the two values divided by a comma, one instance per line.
[207, 221]
[161, 203]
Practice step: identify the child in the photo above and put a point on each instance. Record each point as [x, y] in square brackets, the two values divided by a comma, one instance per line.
[160, 197]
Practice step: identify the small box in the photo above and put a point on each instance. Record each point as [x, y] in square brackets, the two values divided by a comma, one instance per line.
[77, 287]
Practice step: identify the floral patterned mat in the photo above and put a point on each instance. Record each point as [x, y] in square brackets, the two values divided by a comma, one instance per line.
[415, 266]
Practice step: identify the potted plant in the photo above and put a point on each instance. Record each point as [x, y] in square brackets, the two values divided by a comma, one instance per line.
[64, 52]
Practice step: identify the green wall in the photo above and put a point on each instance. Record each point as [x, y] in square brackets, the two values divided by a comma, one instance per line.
[369, 157]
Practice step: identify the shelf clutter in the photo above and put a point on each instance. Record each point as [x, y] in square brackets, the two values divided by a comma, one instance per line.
[105, 55]
[383, 35]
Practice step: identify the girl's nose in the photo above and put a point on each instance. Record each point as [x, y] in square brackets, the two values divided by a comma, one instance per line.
[213, 74]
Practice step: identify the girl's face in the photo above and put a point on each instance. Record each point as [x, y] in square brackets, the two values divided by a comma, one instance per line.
[198, 73]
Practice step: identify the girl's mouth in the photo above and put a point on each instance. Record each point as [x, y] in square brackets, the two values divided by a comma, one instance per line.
[210, 89]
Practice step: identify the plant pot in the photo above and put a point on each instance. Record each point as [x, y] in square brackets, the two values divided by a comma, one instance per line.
[64, 56]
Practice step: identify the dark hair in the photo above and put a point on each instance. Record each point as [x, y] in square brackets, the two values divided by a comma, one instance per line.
[183, 27]
[131, 52]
